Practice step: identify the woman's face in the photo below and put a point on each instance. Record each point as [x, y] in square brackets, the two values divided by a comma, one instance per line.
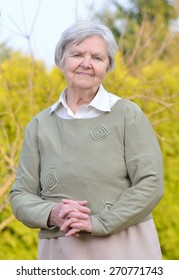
[85, 65]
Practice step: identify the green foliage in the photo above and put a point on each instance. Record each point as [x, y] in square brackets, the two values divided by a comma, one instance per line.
[143, 8]
[5, 52]
[26, 88]
[18, 242]
[142, 30]
[167, 213]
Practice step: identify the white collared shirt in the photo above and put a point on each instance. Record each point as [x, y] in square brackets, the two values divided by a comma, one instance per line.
[102, 102]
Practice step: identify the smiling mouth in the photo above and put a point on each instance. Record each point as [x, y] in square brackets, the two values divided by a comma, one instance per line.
[84, 74]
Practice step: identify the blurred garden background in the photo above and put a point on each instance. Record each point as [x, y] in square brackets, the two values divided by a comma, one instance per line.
[146, 72]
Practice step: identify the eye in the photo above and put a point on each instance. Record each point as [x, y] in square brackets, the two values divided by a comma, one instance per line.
[97, 58]
[77, 55]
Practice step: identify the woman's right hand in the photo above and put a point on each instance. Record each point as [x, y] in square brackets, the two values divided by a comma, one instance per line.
[63, 210]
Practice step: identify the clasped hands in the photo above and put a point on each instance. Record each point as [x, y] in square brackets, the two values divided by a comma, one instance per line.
[71, 216]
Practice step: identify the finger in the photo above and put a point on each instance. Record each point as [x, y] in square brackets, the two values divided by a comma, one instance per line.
[78, 225]
[84, 209]
[75, 234]
[84, 225]
[65, 212]
[74, 208]
[77, 215]
[72, 232]
[70, 201]
[67, 224]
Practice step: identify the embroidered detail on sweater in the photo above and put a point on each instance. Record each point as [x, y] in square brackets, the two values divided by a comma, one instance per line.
[99, 133]
[107, 205]
[51, 180]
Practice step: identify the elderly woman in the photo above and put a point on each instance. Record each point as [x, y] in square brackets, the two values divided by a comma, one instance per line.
[90, 171]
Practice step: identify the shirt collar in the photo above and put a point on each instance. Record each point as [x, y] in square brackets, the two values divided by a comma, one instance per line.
[100, 101]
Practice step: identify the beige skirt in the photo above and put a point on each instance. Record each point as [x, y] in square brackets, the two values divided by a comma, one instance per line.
[139, 242]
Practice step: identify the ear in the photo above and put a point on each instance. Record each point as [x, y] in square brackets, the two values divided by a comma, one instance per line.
[61, 67]
[61, 64]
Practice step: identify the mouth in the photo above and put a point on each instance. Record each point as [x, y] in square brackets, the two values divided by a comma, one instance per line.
[84, 74]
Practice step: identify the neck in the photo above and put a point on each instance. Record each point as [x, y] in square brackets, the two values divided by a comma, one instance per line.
[75, 98]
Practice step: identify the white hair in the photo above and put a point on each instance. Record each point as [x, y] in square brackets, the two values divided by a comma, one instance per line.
[78, 32]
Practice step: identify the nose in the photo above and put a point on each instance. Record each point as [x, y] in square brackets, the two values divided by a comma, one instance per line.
[86, 62]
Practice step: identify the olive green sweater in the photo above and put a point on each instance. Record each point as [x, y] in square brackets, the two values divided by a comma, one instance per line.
[113, 161]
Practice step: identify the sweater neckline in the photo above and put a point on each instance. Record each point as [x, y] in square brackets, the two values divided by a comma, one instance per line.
[87, 119]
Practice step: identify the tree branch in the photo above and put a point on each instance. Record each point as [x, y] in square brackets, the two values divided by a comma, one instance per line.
[7, 184]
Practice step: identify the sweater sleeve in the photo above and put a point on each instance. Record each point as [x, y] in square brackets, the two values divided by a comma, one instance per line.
[27, 205]
[144, 167]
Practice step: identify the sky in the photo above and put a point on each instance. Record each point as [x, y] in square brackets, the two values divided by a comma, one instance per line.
[43, 21]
